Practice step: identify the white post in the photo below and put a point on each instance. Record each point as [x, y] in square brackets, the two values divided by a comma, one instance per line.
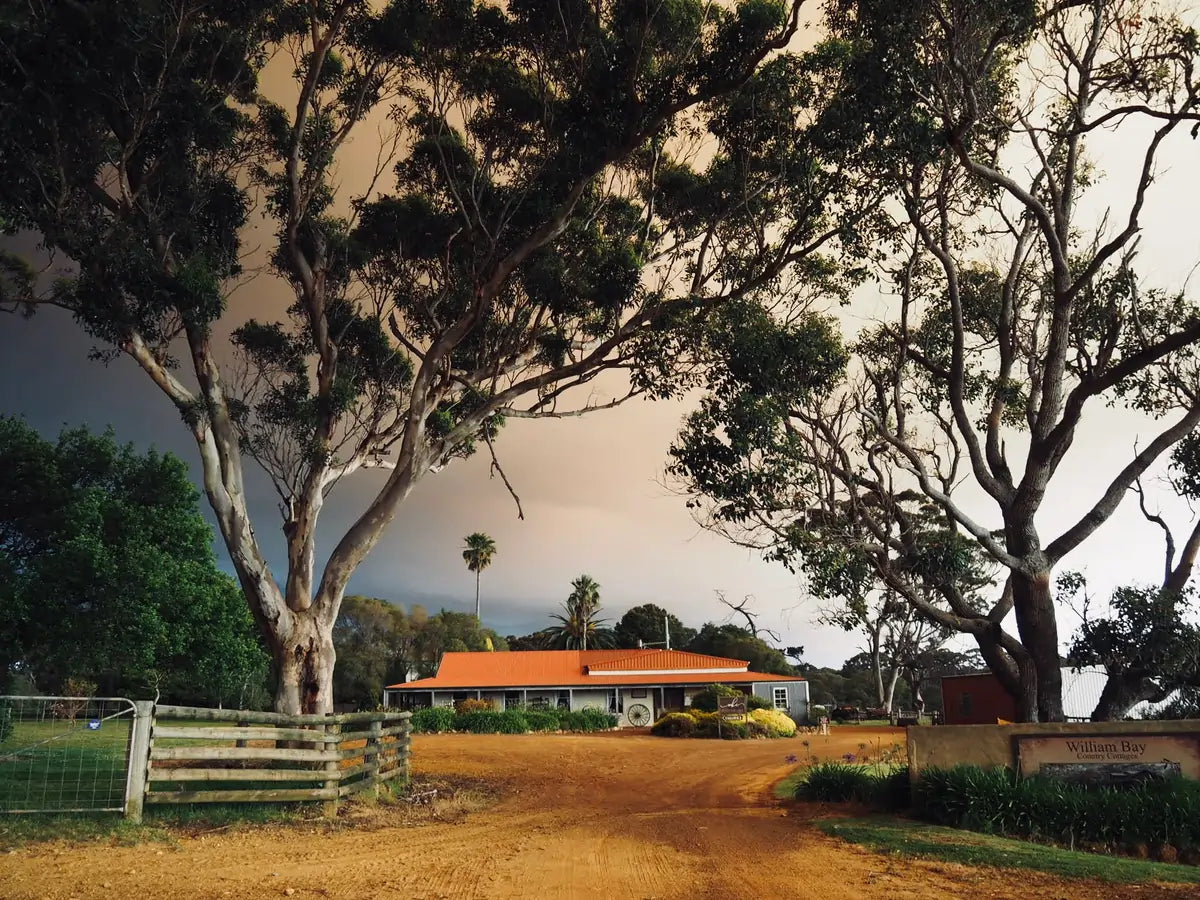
[667, 630]
[139, 759]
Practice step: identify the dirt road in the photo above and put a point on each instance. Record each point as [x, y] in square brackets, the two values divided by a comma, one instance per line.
[609, 816]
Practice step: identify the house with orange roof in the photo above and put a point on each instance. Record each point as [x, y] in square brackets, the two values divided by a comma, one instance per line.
[635, 685]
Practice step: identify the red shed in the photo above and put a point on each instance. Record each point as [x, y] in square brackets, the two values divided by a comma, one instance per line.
[976, 700]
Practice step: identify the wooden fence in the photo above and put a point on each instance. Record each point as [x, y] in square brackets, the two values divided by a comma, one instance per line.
[197, 755]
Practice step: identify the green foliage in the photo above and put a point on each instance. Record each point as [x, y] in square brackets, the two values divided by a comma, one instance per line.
[835, 782]
[579, 624]
[450, 631]
[588, 719]
[841, 782]
[1147, 643]
[703, 724]
[553, 209]
[706, 700]
[645, 623]
[433, 720]
[110, 576]
[674, 724]
[478, 551]
[997, 801]
[773, 723]
[510, 721]
[374, 643]
[542, 720]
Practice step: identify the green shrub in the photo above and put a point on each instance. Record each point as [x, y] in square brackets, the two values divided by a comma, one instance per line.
[734, 731]
[675, 724]
[835, 782]
[542, 720]
[890, 790]
[511, 721]
[773, 722]
[433, 719]
[997, 801]
[839, 782]
[590, 718]
[706, 700]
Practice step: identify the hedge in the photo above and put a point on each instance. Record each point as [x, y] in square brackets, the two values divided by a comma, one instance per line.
[476, 720]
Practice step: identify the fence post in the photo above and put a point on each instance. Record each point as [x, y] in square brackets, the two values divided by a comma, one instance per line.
[374, 746]
[332, 770]
[406, 743]
[139, 759]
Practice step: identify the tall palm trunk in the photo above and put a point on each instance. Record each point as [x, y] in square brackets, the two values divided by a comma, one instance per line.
[477, 619]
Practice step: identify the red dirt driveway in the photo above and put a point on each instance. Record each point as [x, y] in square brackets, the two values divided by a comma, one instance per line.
[607, 816]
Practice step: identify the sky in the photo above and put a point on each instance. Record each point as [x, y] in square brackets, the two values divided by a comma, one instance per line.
[593, 488]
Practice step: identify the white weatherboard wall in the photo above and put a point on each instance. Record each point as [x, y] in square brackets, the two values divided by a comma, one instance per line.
[581, 698]
[628, 699]
[797, 696]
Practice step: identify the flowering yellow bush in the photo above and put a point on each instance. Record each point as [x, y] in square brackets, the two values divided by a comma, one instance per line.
[777, 724]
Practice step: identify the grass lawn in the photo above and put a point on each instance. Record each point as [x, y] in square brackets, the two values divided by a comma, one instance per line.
[886, 834]
[55, 765]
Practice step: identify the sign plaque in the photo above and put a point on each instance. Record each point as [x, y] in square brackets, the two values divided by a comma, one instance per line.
[1108, 758]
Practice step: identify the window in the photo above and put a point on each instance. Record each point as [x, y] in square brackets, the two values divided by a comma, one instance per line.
[781, 700]
[638, 695]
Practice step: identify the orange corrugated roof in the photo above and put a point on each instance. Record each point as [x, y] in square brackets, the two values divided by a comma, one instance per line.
[666, 660]
[570, 668]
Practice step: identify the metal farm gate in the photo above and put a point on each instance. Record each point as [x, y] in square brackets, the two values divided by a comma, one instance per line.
[67, 754]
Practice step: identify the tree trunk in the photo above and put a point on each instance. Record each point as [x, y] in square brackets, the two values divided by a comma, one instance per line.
[1014, 670]
[1123, 691]
[890, 700]
[304, 665]
[1033, 603]
[477, 619]
[877, 664]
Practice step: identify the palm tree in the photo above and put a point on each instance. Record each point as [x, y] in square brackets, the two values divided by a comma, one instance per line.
[477, 554]
[579, 624]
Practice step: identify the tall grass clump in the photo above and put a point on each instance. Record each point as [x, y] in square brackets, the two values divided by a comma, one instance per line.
[433, 720]
[1158, 813]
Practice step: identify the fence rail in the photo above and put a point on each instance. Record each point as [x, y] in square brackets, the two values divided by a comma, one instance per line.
[262, 757]
[74, 754]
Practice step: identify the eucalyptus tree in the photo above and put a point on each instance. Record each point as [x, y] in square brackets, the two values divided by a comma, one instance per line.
[1016, 315]
[478, 550]
[567, 192]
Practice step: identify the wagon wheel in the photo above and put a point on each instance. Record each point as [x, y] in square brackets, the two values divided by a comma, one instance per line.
[638, 715]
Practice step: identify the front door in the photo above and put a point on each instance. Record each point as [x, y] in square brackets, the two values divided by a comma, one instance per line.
[638, 707]
[673, 699]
